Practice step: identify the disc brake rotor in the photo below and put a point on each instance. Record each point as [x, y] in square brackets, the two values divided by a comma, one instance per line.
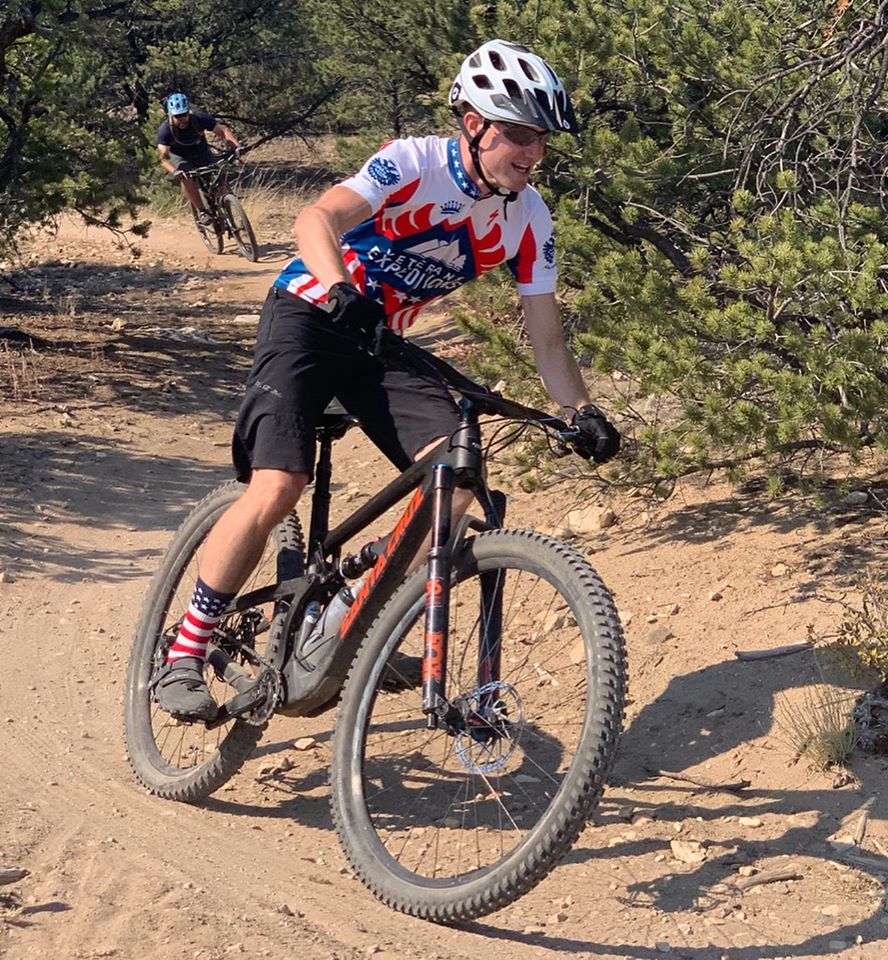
[494, 721]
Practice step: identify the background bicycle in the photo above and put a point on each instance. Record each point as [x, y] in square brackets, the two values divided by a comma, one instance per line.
[229, 219]
[483, 693]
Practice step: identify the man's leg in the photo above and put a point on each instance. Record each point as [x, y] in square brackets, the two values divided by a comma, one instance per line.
[187, 186]
[233, 548]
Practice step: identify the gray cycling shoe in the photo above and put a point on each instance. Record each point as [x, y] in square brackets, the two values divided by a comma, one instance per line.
[181, 690]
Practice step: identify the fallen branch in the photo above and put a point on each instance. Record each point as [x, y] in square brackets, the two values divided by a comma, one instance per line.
[860, 832]
[879, 864]
[767, 876]
[11, 875]
[773, 652]
[699, 781]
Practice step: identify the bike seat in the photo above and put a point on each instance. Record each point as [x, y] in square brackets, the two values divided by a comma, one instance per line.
[337, 418]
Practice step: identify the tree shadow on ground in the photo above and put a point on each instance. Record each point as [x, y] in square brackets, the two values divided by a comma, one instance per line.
[53, 479]
[842, 540]
[701, 715]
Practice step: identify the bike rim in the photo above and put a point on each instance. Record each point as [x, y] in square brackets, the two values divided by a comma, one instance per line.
[445, 805]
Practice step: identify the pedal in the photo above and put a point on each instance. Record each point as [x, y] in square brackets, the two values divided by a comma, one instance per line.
[240, 704]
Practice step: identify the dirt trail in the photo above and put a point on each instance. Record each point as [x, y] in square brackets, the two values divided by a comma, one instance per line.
[111, 433]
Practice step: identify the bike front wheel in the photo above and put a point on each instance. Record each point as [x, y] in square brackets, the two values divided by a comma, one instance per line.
[172, 758]
[209, 233]
[240, 227]
[453, 823]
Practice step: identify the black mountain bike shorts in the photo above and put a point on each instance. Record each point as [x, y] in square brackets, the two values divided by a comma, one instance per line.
[202, 157]
[302, 361]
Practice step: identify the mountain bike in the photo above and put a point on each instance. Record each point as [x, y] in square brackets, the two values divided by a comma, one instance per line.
[480, 697]
[227, 213]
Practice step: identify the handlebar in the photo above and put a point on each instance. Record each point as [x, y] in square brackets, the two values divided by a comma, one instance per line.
[400, 352]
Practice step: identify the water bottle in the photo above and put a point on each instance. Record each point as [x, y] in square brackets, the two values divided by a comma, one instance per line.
[310, 619]
[327, 624]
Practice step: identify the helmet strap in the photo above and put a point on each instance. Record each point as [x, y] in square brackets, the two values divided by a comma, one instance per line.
[474, 152]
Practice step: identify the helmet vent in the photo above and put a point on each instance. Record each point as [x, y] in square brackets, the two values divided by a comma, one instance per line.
[542, 99]
[497, 61]
[529, 72]
[512, 88]
[482, 82]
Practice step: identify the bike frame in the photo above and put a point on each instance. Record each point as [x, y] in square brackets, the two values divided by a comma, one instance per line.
[211, 178]
[457, 462]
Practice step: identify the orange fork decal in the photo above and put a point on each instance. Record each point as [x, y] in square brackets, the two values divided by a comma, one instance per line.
[433, 657]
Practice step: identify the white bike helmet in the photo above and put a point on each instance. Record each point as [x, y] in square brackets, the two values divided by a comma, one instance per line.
[507, 82]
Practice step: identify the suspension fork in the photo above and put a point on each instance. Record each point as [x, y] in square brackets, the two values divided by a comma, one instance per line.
[437, 617]
[490, 639]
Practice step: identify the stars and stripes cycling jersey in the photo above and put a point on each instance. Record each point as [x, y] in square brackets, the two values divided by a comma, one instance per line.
[431, 232]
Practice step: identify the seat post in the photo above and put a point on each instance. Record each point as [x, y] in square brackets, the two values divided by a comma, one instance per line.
[320, 499]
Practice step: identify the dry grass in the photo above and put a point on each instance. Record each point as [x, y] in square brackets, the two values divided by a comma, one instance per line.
[818, 724]
[18, 375]
[860, 642]
[267, 201]
[271, 204]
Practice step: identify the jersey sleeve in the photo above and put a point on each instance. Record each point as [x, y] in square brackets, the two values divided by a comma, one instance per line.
[391, 173]
[204, 120]
[533, 266]
[164, 134]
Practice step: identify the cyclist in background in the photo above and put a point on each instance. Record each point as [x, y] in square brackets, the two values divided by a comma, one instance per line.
[422, 217]
[182, 145]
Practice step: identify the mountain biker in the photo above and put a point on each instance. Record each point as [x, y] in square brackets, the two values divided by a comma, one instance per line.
[422, 217]
[182, 145]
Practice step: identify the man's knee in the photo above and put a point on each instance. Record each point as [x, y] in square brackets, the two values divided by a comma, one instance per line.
[275, 492]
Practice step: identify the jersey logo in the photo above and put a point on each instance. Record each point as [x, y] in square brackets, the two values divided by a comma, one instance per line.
[442, 251]
[384, 171]
[451, 207]
[549, 251]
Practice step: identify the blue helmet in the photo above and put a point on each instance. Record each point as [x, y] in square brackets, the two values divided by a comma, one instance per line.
[177, 103]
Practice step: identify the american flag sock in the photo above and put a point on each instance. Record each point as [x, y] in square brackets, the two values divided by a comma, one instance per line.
[203, 614]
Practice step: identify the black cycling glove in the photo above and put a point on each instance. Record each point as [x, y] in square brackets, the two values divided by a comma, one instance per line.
[598, 439]
[360, 317]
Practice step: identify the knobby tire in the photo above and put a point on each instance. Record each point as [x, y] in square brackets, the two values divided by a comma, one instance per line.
[240, 227]
[185, 761]
[449, 828]
[209, 233]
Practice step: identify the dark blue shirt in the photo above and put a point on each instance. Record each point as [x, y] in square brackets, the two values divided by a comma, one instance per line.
[189, 142]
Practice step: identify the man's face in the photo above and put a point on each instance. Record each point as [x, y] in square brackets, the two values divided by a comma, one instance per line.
[509, 151]
[180, 119]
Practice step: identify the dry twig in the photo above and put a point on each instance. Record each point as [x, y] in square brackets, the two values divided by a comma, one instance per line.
[700, 781]
[767, 876]
[11, 875]
[773, 652]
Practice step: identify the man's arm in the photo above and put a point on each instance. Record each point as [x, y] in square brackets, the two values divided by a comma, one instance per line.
[226, 133]
[164, 152]
[319, 226]
[556, 364]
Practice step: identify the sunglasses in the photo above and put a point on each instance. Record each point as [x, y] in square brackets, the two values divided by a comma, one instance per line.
[522, 136]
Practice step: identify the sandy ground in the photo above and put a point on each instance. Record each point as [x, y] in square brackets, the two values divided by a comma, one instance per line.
[121, 421]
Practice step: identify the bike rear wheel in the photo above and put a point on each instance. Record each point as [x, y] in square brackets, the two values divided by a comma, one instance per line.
[209, 233]
[453, 824]
[239, 225]
[172, 758]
